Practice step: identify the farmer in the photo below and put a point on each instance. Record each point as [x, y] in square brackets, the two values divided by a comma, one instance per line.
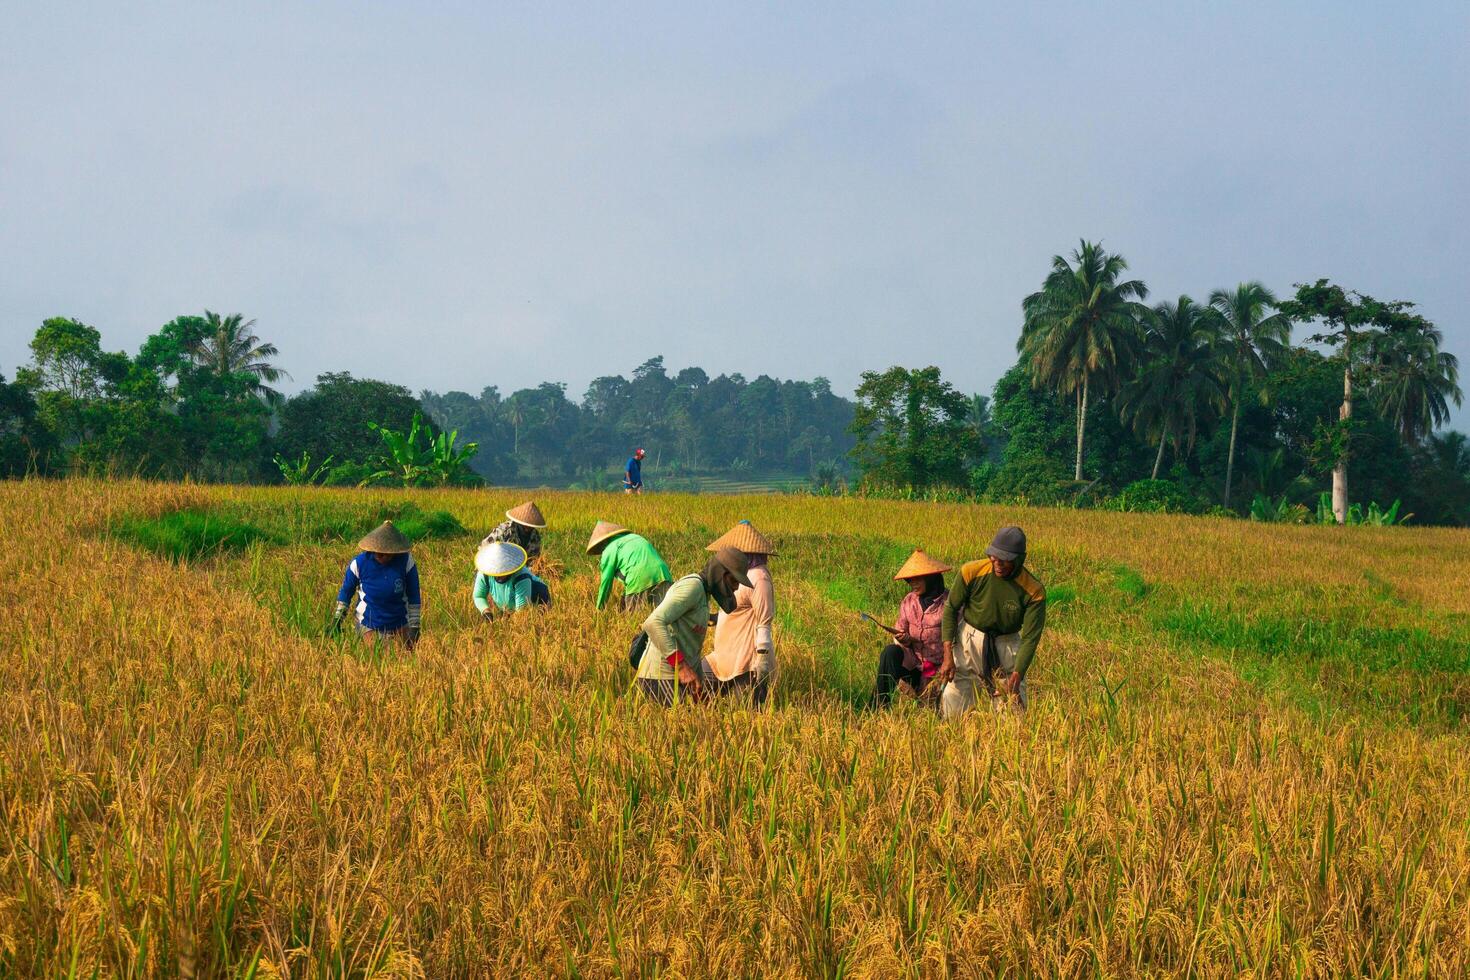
[670, 669]
[633, 473]
[629, 557]
[912, 660]
[522, 527]
[992, 623]
[744, 659]
[386, 581]
[502, 580]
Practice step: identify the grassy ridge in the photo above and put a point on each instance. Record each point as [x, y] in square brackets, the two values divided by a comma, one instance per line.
[1231, 767]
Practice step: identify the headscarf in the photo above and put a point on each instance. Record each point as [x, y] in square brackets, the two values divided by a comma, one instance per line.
[713, 574]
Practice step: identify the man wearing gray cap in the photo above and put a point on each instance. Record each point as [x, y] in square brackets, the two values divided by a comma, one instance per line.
[992, 623]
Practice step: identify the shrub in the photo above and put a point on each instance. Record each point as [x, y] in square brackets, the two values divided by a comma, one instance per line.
[1155, 497]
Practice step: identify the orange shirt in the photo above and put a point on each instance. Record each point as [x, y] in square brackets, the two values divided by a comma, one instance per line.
[738, 634]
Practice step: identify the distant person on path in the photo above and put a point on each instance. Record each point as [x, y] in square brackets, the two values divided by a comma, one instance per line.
[631, 559]
[386, 581]
[743, 661]
[522, 526]
[503, 582]
[633, 473]
[671, 669]
[908, 664]
[992, 624]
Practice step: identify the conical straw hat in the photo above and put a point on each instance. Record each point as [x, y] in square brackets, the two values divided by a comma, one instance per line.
[744, 537]
[602, 533]
[921, 564]
[500, 558]
[528, 514]
[386, 539]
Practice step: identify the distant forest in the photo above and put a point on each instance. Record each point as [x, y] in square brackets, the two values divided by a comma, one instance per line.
[1326, 405]
[689, 422]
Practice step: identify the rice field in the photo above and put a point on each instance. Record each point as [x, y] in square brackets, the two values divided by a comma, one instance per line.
[1246, 754]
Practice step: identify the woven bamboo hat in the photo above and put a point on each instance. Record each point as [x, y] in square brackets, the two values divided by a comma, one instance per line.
[744, 537]
[604, 532]
[385, 539]
[528, 514]
[921, 564]
[500, 558]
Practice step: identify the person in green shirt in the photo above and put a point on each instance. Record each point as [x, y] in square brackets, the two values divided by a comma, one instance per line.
[503, 582]
[671, 668]
[992, 624]
[631, 558]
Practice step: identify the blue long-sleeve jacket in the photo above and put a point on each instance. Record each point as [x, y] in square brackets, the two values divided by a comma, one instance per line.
[388, 595]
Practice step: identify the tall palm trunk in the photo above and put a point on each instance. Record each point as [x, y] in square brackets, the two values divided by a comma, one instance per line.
[1081, 426]
[1339, 472]
[1230, 458]
[1159, 459]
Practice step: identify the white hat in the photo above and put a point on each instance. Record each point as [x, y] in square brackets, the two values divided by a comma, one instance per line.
[500, 558]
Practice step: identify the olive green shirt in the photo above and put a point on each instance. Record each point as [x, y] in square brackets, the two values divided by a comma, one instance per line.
[677, 625]
[993, 604]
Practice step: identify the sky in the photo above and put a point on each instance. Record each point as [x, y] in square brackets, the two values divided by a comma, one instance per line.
[456, 195]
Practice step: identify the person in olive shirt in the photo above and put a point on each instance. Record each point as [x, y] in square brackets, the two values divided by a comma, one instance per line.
[992, 624]
[672, 668]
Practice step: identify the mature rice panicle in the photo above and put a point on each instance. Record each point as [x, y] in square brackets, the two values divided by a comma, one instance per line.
[1246, 755]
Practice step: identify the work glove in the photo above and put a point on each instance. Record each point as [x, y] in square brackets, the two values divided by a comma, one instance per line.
[337, 618]
[487, 615]
[412, 636]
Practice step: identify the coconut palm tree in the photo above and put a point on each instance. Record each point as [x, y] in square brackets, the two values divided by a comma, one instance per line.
[1414, 381]
[1081, 329]
[1255, 337]
[229, 347]
[1182, 380]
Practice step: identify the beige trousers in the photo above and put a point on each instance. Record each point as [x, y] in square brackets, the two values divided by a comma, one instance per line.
[968, 687]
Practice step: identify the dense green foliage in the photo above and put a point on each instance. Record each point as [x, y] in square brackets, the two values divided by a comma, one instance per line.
[1185, 406]
[689, 422]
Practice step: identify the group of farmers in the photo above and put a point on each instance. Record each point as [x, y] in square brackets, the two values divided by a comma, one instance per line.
[951, 648]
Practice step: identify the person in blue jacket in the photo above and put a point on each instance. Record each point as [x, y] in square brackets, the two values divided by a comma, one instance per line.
[386, 582]
[633, 473]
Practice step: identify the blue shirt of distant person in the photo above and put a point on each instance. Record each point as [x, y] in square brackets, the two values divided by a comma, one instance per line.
[633, 473]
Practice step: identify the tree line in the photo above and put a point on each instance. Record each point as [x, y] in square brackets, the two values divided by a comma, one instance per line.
[1201, 406]
[1108, 389]
[688, 421]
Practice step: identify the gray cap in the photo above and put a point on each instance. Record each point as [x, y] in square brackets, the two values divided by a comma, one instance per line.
[1009, 544]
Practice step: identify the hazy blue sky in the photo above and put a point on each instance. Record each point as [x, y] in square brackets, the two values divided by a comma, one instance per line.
[457, 195]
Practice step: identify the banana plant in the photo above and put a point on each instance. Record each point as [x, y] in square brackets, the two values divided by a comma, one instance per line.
[299, 473]
[417, 459]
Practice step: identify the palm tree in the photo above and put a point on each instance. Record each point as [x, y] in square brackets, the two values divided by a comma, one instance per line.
[1182, 380]
[1255, 338]
[229, 347]
[1081, 328]
[1414, 381]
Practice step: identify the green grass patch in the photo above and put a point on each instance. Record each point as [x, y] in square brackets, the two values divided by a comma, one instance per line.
[334, 522]
[1376, 648]
[188, 535]
[1131, 583]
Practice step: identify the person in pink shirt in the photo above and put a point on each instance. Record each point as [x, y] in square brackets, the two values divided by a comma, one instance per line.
[908, 664]
[743, 661]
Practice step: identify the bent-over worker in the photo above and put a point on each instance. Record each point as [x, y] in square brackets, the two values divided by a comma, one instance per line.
[671, 667]
[522, 526]
[386, 581]
[743, 660]
[631, 559]
[992, 624]
[503, 581]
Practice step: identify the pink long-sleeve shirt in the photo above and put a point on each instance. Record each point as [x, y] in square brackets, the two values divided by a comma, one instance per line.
[925, 624]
